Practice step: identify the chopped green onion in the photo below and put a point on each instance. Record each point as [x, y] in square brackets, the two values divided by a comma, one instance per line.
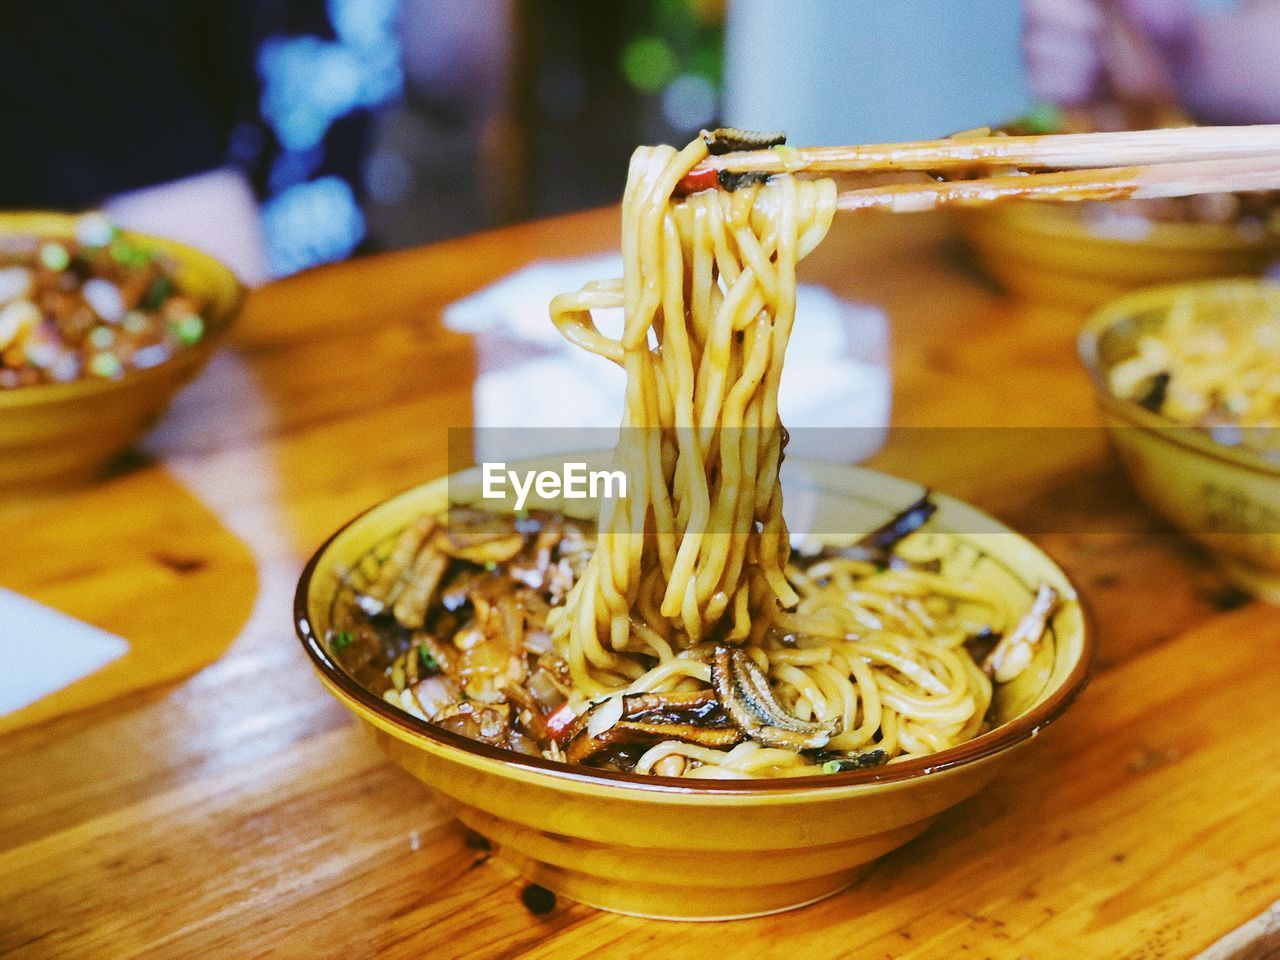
[490, 566]
[54, 256]
[1044, 118]
[427, 661]
[106, 365]
[126, 254]
[188, 329]
[340, 641]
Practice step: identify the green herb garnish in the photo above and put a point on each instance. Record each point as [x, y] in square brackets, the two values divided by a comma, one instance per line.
[126, 254]
[425, 660]
[490, 565]
[340, 641]
[1044, 118]
[188, 329]
[105, 365]
[54, 256]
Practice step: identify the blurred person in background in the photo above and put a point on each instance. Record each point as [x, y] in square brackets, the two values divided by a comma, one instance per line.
[132, 107]
[1222, 60]
[912, 69]
[238, 126]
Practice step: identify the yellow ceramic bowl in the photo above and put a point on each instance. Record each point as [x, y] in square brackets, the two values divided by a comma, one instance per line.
[1226, 497]
[58, 435]
[665, 847]
[1048, 252]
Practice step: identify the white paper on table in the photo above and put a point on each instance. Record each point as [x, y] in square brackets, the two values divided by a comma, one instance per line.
[43, 650]
[519, 303]
[836, 374]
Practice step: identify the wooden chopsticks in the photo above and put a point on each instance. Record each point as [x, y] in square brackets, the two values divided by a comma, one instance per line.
[1182, 179]
[1086, 166]
[1062, 150]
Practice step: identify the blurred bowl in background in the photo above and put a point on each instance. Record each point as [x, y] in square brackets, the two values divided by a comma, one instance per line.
[59, 435]
[1053, 253]
[1226, 497]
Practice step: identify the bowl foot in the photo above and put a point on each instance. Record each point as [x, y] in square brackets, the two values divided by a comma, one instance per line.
[656, 902]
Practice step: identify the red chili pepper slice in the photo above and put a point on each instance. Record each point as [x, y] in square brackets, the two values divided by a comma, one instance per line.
[696, 181]
[559, 722]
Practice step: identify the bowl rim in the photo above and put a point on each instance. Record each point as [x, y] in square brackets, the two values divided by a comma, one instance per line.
[1120, 309]
[56, 223]
[1063, 221]
[1018, 730]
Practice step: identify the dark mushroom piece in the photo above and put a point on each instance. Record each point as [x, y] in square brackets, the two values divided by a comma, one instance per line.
[648, 718]
[629, 732]
[877, 546]
[844, 762]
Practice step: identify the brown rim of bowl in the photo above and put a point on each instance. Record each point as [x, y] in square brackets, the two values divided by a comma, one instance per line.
[1021, 728]
[219, 324]
[1195, 439]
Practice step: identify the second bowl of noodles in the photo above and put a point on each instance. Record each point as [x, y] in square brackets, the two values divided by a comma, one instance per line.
[1188, 381]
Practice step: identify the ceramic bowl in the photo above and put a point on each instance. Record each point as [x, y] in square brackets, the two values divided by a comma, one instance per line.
[59, 435]
[680, 849]
[1226, 497]
[1050, 253]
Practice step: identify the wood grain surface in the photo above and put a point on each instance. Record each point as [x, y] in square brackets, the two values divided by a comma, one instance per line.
[240, 813]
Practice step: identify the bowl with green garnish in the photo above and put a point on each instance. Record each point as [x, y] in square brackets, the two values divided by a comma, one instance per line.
[99, 329]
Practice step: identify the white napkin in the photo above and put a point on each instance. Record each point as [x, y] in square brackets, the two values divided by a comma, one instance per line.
[43, 650]
[836, 375]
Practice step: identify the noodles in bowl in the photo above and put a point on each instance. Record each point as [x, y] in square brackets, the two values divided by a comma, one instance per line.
[880, 660]
[681, 637]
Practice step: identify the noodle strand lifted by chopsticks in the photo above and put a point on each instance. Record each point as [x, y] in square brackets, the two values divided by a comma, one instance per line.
[699, 547]
[688, 641]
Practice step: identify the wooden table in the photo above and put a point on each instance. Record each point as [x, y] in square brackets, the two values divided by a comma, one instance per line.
[240, 813]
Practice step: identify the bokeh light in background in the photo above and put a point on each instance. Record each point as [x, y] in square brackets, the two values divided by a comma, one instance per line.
[308, 84]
